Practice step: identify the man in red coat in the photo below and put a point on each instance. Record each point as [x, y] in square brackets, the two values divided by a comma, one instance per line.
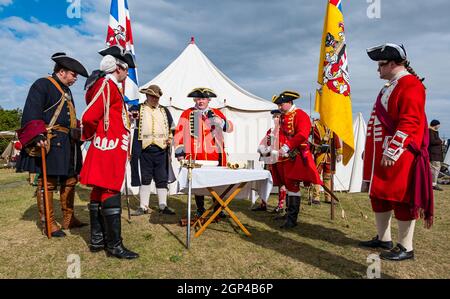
[396, 169]
[298, 163]
[199, 134]
[106, 124]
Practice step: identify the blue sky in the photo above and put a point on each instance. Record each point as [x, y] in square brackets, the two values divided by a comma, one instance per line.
[52, 12]
[264, 46]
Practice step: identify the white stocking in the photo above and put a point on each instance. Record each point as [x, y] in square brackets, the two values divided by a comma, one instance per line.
[383, 221]
[162, 197]
[144, 196]
[406, 234]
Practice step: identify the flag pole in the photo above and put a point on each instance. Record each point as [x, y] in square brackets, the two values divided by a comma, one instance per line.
[333, 170]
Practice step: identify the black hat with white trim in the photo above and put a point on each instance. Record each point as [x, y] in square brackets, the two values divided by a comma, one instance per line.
[388, 52]
[202, 93]
[285, 97]
[120, 54]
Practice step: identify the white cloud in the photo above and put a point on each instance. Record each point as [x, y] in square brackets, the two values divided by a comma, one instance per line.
[265, 46]
[5, 2]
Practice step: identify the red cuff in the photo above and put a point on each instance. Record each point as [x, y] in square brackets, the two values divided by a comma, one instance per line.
[30, 131]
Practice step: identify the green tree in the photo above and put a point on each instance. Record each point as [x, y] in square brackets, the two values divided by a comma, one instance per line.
[9, 121]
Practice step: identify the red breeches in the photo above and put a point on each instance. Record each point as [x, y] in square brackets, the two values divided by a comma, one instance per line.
[100, 194]
[402, 211]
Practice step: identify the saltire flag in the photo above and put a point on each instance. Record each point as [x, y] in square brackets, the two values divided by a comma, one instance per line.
[120, 33]
[333, 98]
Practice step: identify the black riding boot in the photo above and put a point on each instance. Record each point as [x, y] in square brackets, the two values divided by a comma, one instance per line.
[111, 211]
[97, 228]
[292, 212]
[200, 203]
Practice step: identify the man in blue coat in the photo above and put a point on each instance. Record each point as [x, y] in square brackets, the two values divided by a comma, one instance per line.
[49, 119]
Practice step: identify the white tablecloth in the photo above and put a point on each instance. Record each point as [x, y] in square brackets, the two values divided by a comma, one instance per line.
[221, 177]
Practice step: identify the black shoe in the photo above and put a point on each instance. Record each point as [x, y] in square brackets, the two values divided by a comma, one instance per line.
[376, 243]
[166, 211]
[260, 208]
[139, 212]
[398, 253]
[119, 251]
[315, 202]
[222, 215]
[200, 212]
[96, 248]
[437, 188]
[58, 234]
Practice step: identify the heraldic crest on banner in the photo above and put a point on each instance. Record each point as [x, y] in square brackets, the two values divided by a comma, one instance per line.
[335, 71]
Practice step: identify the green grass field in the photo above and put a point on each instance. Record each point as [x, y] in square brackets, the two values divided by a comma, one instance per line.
[316, 248]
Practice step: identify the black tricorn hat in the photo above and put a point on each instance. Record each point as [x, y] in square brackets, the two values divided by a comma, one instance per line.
[202, 92]
[119, 53]
[70, 63]
[285, 97]
[389, 52]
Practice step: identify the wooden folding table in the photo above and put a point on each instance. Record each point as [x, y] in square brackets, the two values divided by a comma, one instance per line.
[219, 182]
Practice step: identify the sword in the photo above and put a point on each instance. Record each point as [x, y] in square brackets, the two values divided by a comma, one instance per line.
[188, 232]
[127, 198]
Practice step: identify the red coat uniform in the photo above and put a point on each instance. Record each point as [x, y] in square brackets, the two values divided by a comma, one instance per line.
[404, 101]
[109, 131]
[199, 138]
[294, 132]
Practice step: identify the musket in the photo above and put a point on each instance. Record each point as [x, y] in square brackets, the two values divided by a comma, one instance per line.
[46, 202]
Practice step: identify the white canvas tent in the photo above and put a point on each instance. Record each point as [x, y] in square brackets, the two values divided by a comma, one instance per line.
[10, 153]
[249, 113]
[349, 177]
[7, 134]
[447, 158]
